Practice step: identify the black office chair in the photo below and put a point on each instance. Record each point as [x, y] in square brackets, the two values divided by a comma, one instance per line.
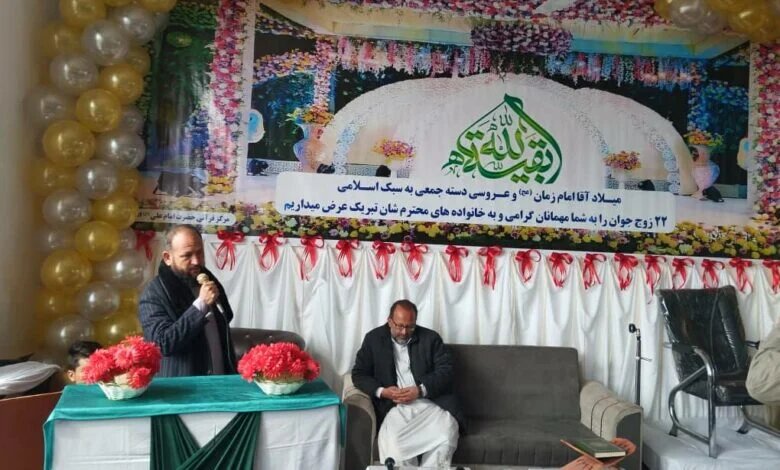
[710, 353]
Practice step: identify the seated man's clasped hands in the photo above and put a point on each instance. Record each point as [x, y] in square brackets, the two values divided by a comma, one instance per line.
[408, 372]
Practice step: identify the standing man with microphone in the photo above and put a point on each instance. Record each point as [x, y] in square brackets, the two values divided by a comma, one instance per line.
[185, 311]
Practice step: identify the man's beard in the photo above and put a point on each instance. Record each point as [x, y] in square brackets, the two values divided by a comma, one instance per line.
[402, 341]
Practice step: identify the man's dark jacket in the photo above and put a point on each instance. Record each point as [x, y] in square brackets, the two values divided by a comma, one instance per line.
[169, 319]
[430, 361]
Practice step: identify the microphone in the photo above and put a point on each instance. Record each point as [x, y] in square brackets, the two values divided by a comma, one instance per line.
[204, 278]
[389, 463]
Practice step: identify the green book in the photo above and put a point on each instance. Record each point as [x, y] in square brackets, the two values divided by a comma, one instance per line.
[598, 448]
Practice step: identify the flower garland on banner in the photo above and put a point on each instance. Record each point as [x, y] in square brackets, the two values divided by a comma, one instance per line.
[226, 253]
[382, 250]
[414, 257]
[531, 38]
[590, 274]
[740, 266]
[455, 255]
[639, 12]
[268, 22]
[494, 9]
[559, 263]
[225, 97]
[309, 260]
[345, 247]
[525, 263]
[710, 270]
[489, 274]
[713, 92]
[271, 244]
[766, 64]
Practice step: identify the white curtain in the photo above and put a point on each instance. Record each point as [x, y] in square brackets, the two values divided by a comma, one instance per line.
[333, 312]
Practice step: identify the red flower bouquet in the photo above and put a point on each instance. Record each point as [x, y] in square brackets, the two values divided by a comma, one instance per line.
[129, 364]
[278, 363]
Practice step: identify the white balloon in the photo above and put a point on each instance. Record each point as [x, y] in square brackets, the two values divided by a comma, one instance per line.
[123, 148]
[55, 238]
[713, 22]
[73, 73]
[44, 105]
[66, 330]
[96, 179]
[124, 270]
[97, 300]
[66, 208]
[687, 13]
[105, 42]
[132, 120]
[127, 239]
[138, 24]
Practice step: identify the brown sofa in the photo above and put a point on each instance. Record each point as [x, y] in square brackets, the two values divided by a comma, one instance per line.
[519, 401]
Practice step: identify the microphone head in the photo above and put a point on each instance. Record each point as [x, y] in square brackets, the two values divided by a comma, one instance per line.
[202, 278]
[389, 462]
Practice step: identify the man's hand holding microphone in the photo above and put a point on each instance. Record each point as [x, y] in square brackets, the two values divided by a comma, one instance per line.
[209, 292]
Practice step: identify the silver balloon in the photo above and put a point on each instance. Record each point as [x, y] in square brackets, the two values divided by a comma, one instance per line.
[123, 148]
[124, 270]
[53, 238]
[161, 20]
[96, 179]
[687, 13]
[44, 105]
[132, 120]
[66, 330]
[713, 22]
[73, 73]
[105, 42]
[127, 239]
[137, 23]
[97, 300]
[66, 208]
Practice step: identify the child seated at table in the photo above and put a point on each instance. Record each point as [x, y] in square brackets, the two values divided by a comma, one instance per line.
[78, 356]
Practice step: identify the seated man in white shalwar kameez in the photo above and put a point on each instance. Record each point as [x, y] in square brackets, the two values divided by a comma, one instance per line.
[407, 370]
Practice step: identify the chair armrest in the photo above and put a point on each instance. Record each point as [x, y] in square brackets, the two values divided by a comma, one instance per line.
[610, 417]
[361, 427]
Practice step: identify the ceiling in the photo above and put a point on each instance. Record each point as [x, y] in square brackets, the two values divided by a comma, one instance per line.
[595, 30]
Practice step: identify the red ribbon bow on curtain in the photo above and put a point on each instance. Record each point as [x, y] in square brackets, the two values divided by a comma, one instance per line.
[226, 253]
[560, 267]
[680, 266]
[626, 265]
[455, 261]
[489, 275]
[525, 263]
[774, 268]
[414, 259]
[590, 275]
[270, 249]
[740, 265]
[383, 251]
[653, 268]
[143, 239]
[310, 246]
[710, 272]
[345, 247]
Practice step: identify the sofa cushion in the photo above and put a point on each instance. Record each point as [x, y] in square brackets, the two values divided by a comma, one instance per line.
[530, 441]
[517, 382]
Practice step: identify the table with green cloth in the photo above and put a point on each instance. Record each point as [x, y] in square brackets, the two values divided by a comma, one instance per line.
[211, 422]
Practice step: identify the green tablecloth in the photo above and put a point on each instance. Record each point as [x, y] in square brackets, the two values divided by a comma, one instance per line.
[182, 395]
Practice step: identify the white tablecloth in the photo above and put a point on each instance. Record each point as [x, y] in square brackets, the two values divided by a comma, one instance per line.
[287, 440]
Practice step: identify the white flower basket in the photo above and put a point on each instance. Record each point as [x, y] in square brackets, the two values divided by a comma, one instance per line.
[279, 388]
[121, 392]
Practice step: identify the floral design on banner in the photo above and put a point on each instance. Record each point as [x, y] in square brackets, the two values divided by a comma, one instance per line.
[559, 265]
[489, 274]
[525, 263]
[455, 255]
[309, 261]
[766, 64]
[270, 254]
[653, 270]
[680, 266]
[661, 72]
[143, 241]
[414, 257]
[621, 11]
[495, 9]
[774, 269]
[319, 64]
[715, 93]
[590, 274]
[345, 247]
[740, 266]
[269, 22]
[382, 250]
[531, 38]
[625, 271]
[710, 270]
[226, 253]
[225, 97]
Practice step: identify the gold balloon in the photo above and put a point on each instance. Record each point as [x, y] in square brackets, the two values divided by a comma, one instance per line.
[117, 327]
[129, 181]
[767, 34]
[68, 143]
[124, 81]
[128, 300]
[58, 38]
[139, 59]
[79, 13]
[158, 6]
[50, 305]
[751, 19]
[117, 3]
[118, 210]
[97, 240]
[662, 7]
[99, 110]
[65, 271]
[46, 177]
[728, 6]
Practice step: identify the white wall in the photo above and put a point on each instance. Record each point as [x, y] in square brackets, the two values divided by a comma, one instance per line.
[20, 258]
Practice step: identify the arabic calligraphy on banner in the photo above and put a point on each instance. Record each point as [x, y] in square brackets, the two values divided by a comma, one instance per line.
[186, 217]
[507, 142]
[475, 202]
